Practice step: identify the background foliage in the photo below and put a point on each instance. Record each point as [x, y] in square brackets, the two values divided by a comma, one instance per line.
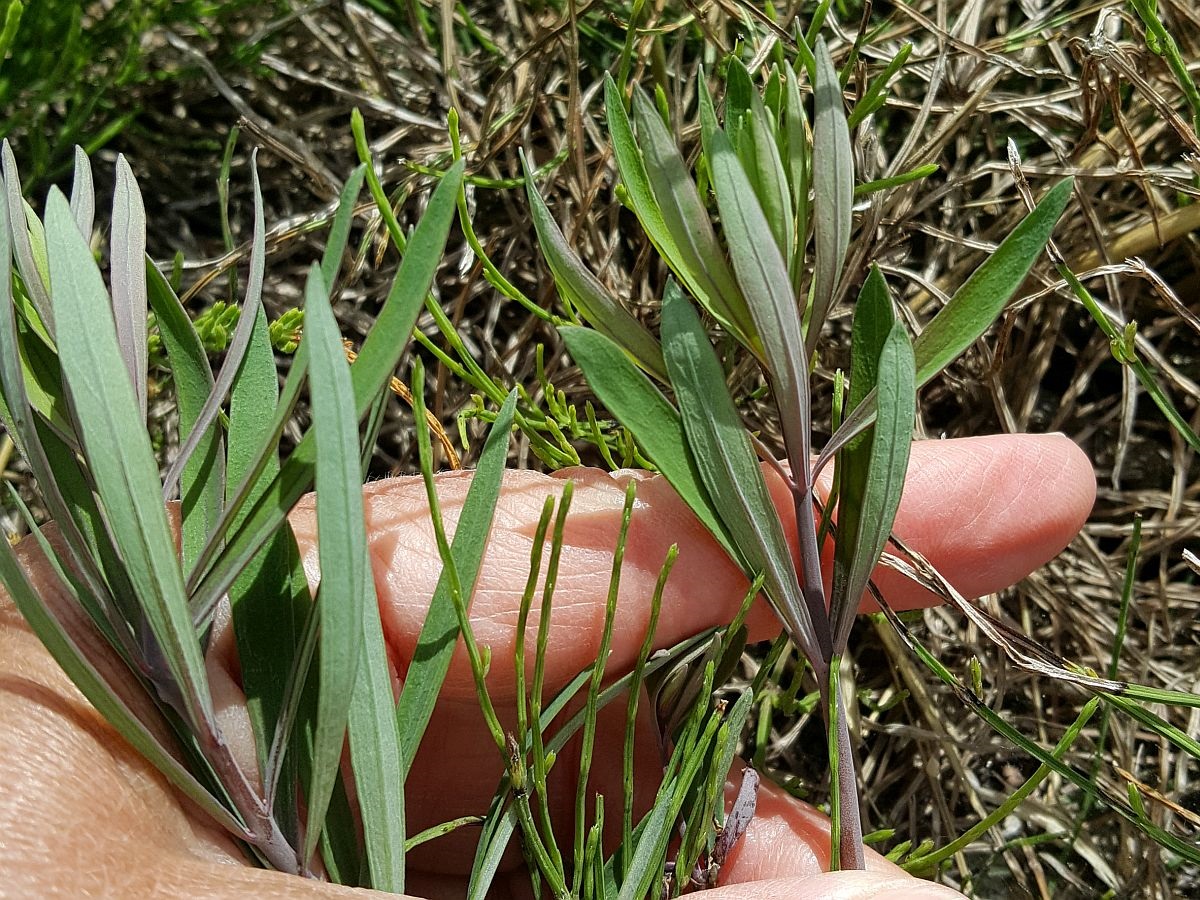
[1087, 91]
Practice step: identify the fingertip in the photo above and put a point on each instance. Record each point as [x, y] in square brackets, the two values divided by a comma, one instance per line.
[987, 511]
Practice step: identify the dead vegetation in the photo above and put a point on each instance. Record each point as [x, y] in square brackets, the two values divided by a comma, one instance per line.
[1077, 90]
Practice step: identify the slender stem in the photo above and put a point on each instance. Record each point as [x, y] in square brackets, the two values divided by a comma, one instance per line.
[847, 852]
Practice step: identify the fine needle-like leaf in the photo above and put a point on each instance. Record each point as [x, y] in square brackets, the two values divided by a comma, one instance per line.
[439, 633]
[346, 586]
[971, 310]
[833, 191]
[127, 276]
[339, 232]
[721, 448]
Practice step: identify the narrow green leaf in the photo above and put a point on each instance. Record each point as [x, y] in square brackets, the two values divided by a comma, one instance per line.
[700, 264]
[269, 600]
[633, 172]
[374, 366]
[83, 193]
[237, 344]
[764, 280]
[797, 161]
[728, 468]
[833, 191]
[54, 481]
[127, 276]
[203, 477]
[439, 633]
[972, 309]
[641, 407]
[346, 586]
[874, 507]
[376, 756]
[584, 291]
[339, 232]
[119, 455]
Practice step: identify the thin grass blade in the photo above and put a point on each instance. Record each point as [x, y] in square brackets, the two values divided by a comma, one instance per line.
[339, 232]
[439, 633]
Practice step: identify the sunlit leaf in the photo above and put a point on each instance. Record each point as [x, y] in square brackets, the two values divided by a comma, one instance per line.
[127, 276]
[83, 194]
[641, 407]
[376, 361]
[237, 343]
[700, 264]
[119, 456]
[870, 498]
[972, 309]
[202, 479]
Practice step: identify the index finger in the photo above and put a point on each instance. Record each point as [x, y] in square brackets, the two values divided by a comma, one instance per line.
[985, 511]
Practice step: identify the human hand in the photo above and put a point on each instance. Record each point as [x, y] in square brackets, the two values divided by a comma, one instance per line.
[82, 814]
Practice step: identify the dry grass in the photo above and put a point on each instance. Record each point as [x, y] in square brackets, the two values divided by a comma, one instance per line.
[1072, 84]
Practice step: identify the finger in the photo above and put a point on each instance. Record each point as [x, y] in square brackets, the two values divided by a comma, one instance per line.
[985, 511]
[837, 886]
[785, 853]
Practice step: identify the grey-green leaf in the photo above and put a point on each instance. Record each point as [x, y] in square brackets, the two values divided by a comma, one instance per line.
[119, 456]
[346, 586]
[728, 468]
[128, 276]
[642, 408]
[886, 468]
[584, 290]
[833, 191]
